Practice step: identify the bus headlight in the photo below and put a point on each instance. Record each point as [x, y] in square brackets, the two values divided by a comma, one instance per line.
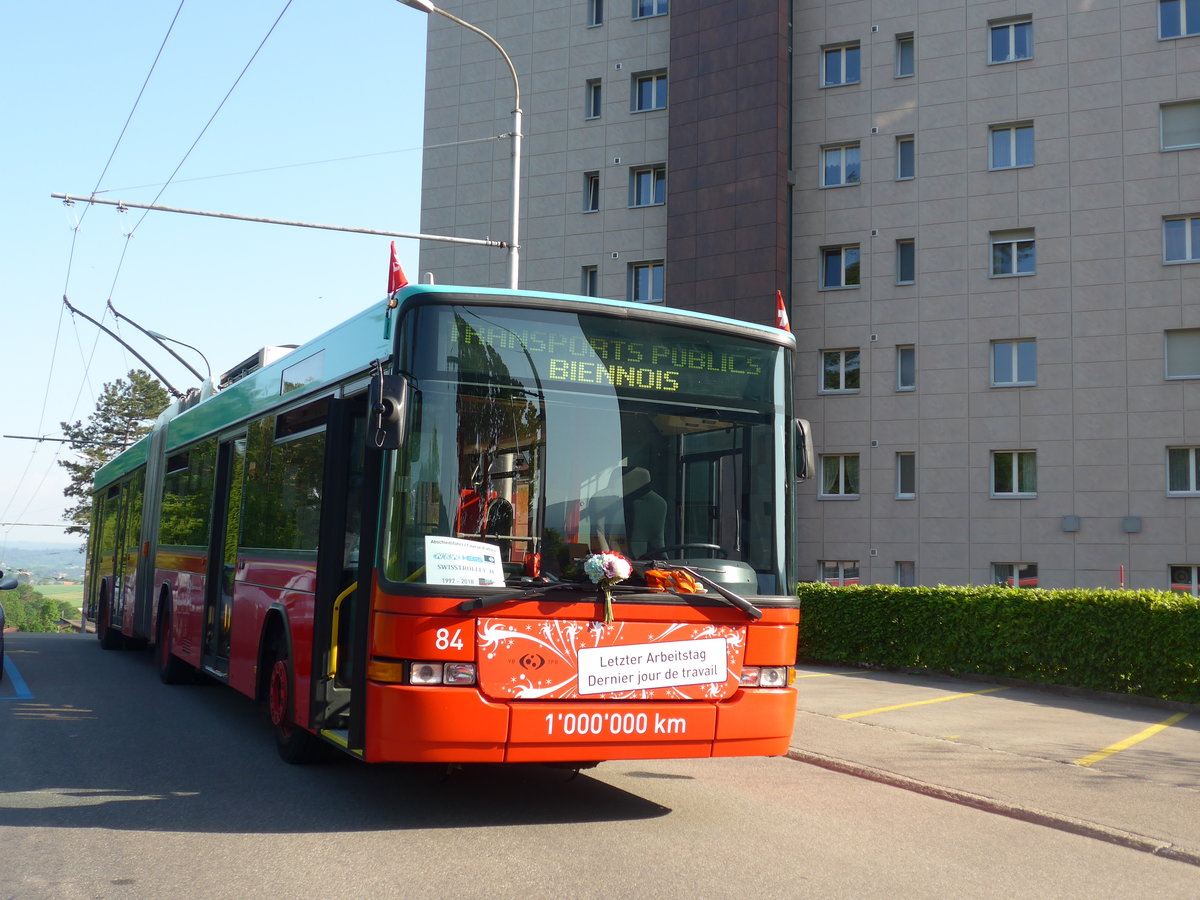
[458, 674]
[765, 676]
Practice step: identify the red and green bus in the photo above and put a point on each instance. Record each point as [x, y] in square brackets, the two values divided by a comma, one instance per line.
[384, 535]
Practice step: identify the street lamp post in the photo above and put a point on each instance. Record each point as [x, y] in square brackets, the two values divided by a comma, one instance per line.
[513, 243]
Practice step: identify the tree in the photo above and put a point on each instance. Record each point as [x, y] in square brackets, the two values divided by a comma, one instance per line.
[125, 412]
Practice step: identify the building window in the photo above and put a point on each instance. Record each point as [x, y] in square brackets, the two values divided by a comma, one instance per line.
[1182, 353]
[839, 475]
[906, 367]
[840, 65]
[591, 192]
[1014, 363]
[648, 186]
[595, 13]
[1177, 18]
[592, 99]
[841, 165]
[1014, 473]
[1010, 41]
[1015, 574]
[1011, 146]
[1181, 240]
[839, 371]
[906, 573]
[839, 267]
[1180, 125]
[906, 157]
[906, 56]
[1013, 253]
[1183, 470]
[646, 282]
[906, 476]
[1185, 579]
[645, 9]
[589, 281]
[906, 261]
[649, 91]
[839, 572]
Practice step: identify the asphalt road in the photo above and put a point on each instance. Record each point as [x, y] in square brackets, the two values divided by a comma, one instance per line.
[115, 786]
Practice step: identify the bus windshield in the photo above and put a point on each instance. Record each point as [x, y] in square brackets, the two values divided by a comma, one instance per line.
[536, 437]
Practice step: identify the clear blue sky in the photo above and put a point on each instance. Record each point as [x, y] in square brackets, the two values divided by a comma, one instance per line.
[335, 80]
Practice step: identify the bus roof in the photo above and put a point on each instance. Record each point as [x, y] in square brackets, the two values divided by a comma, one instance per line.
[350, 348]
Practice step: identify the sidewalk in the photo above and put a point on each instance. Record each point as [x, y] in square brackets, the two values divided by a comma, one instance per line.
[1113, 768]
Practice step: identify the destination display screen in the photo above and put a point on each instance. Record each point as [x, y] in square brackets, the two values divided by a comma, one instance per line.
[548, 349]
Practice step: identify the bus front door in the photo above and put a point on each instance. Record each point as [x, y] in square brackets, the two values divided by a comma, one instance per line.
[222, 556]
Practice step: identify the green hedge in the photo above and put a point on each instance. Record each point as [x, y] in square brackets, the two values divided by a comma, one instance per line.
[1132, 642]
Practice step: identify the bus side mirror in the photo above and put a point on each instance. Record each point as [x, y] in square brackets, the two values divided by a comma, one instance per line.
[805, 463]
[387, 402]
[7, 584]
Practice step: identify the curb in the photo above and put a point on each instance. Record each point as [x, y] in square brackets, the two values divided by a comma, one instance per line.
[999, 807]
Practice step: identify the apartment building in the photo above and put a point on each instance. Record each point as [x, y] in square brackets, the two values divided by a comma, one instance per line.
[984, 216]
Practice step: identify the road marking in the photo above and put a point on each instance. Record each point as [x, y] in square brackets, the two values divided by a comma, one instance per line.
[18, 683]
[1130, 741]
[883, 709]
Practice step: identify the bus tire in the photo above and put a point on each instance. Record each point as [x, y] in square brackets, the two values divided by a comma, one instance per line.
[171, 669]
[109, 637]
[295, 745]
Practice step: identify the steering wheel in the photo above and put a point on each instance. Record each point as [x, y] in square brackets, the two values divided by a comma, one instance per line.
[662, 551]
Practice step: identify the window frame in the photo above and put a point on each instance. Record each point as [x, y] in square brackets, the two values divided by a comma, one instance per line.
[1163, 111]
[657, 80]
[845, 165]
[1019, 575]
[906, 247]
[908, 40]
[656, 271]
[847, 366]
[1009, 25]
[843, 567]
[593, 99]
[1011, 239]
[1173, 569]
[1191, 462]
[1014, 474]
[906, 172]
[1013, 132]
[1185, 353]
[595, 13]
[901, 351]
[589, 281]
[647, 185]
[844, 268]
[1191, 240]
[657, 8]
[906, 475]
[843, 55]
[591, 192]
[848, 486]
[1014, 346]
[1182, 19]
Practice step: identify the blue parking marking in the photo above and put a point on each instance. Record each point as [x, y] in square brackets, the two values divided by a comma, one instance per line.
[18, 683]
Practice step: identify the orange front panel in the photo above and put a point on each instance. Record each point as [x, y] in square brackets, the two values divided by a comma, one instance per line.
[771, 645]
[563, 732]
[420, 724]
[756, 723]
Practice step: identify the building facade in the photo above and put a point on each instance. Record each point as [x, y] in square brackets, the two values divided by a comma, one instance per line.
[984, 216]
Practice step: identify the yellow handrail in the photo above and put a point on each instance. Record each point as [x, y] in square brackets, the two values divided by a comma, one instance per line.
[337, 608]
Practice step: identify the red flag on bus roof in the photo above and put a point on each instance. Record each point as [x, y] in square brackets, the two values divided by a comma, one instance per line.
[396, 279]
[781, 316]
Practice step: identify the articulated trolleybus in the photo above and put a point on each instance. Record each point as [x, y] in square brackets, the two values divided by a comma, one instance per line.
[474, 525]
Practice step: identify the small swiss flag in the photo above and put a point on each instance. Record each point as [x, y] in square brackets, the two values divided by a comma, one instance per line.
[396, 279]
[781, 317]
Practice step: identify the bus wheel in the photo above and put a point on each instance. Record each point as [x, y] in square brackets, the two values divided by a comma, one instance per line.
[171, 669]
[295, 745]
[110, 638]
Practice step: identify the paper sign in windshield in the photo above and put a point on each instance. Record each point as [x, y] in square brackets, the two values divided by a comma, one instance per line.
[643, 666]
[455, 561]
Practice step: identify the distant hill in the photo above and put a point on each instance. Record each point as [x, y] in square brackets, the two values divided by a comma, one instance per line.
[43, 560]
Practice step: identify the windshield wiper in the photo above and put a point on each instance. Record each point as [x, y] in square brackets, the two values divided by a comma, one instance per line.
[541, 590]
[729, 596]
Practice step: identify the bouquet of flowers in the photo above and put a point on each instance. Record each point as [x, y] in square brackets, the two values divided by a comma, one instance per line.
[605, 570]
